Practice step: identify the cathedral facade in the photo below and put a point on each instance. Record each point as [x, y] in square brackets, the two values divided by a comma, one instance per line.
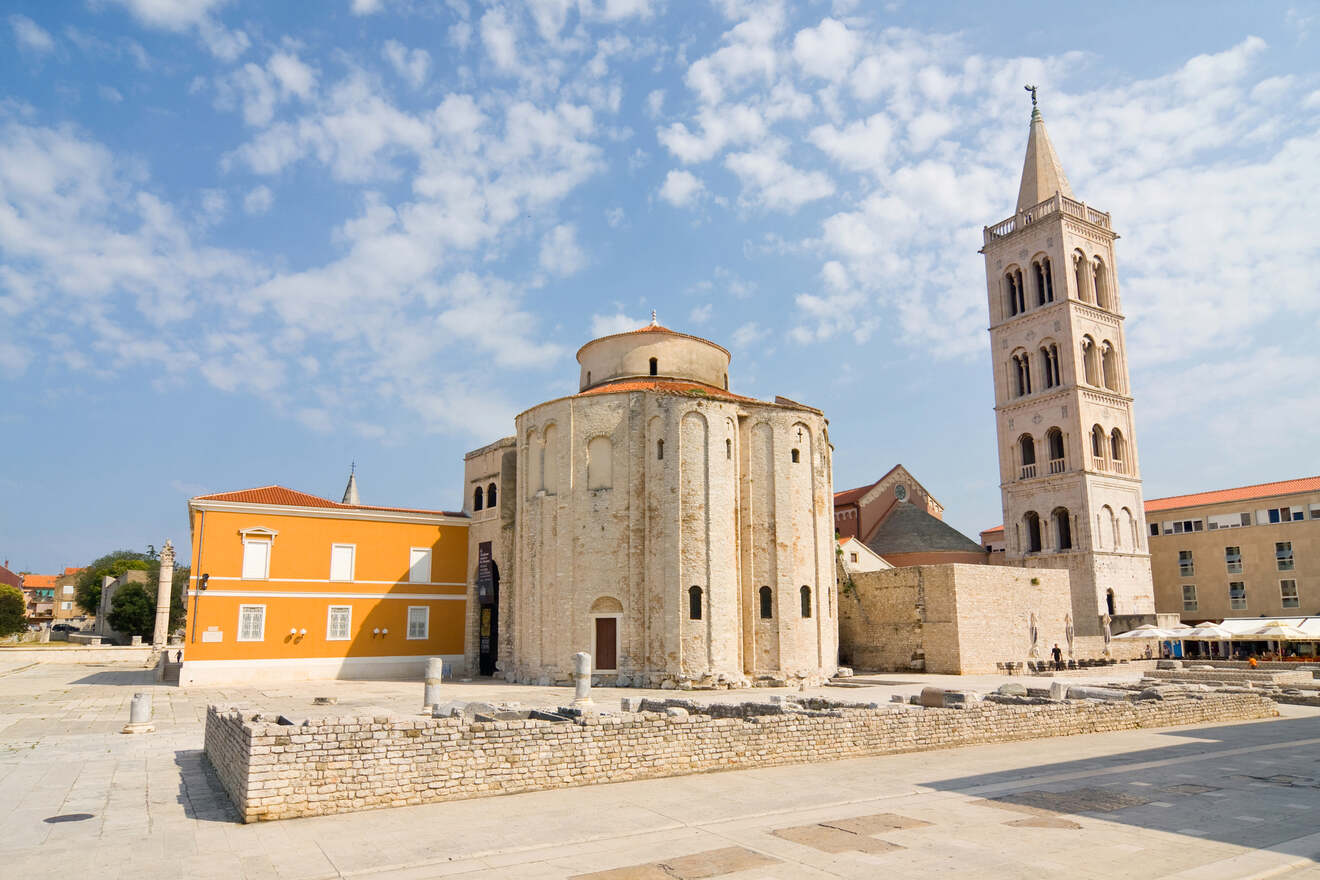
[1069, 472]
[680, 533]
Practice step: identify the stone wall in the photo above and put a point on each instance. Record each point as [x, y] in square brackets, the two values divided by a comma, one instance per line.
[954, 619]
[336, 765]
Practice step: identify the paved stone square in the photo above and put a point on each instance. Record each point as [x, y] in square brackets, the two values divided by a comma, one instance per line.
[1233, 800]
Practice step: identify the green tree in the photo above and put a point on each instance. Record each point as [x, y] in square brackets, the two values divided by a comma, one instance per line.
[12, 608]
[87, 590]
[133, 611]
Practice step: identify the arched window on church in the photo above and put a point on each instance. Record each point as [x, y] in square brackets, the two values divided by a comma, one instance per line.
[1100, 278]
[1027, 449]
[1082, 276]
[1098, 444]
[767, 606]
[1040, 269]
[1118, 451]
[1062, 528]
[1054, 449]
[806, 600]
[1021, 374]
[1091, 361]
[1032, 522]
[1049, 362]
[476, 499]
[1109, 365]
[659, 449]
[694, 603]
[490, 495]
[797, 456]
[655, 366]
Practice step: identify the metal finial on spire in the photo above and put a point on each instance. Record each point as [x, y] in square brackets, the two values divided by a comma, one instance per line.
[352, 468]
[654, 322]
[1032, 89]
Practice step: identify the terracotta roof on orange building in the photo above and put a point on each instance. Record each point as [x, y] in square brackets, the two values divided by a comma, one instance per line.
[1241, 493]
[1220, 496]
[38, 581]
[284, 497]
[681, 387]
[73, 570]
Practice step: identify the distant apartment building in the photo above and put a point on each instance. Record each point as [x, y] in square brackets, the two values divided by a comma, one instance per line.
[66, 609]
[39, 594]
[1252, 551]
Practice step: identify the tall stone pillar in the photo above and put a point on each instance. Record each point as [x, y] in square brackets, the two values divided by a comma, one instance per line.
[161, 633]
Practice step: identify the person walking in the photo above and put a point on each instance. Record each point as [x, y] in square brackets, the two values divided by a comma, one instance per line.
[1058, 656]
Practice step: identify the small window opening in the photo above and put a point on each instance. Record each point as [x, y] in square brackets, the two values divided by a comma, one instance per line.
[655, 367]
[796, 456]
[1109, 602]
[490, 495]
[588, 377]
[806, 600]
[694, 603]
[728, 449]
[659, 449]
[726, 381]
[767, 608]
[476, 499]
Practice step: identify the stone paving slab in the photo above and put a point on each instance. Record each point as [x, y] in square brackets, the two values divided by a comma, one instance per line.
[157, 811]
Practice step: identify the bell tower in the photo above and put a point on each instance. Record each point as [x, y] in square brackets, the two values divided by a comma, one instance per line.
[1070, 477]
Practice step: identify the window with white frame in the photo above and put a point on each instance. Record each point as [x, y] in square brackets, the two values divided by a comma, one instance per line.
[1186, 566]
[419, 622]
[1233, 559]
[339, 623]
[341, 561]
[1237, 595]
[251, 623]
[256, 558]
[1288, 592]
[1189, 597]
[1283, 555]
[66, 606]
[419, 565]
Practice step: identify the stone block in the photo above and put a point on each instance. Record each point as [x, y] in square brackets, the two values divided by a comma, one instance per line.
[1095, 693]
[1013, 689]
[1058, 691]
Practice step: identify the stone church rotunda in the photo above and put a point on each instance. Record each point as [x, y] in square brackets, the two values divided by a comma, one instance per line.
[680, 533]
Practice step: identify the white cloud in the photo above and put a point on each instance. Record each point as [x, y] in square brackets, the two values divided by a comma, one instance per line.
[30, 36]
[862, 145]
[607, 325]
[410, 64]
[826, 51]
[681, 188]
[258, 200]
[655, 102]
[748, 335]
[110, 93]
[366, 7]
[560, 252]
[178, 16]
[615, 217]
[719, 128]
[700, 314]
[772, 183]
[500, 40]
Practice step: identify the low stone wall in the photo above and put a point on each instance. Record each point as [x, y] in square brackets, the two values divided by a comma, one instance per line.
[334, 765]
[76, 654]
[1233, 676]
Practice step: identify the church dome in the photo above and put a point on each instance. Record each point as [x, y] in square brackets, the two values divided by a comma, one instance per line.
[649, 351]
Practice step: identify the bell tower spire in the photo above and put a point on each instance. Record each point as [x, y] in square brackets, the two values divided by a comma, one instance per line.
[351, 490]
[1042, 172]
[1070, 478]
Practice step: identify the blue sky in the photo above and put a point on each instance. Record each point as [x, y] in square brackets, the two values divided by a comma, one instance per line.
[244, 244]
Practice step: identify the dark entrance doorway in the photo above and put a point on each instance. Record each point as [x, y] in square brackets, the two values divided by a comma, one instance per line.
[607, 643]
[488, 614]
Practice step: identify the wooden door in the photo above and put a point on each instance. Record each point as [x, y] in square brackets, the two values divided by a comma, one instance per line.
[607, 643]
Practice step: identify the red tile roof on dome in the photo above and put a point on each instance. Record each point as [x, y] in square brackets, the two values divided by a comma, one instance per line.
[665, 386]
[284, 497]
[1220, 496]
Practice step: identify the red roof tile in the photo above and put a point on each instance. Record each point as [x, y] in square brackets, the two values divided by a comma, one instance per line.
[11, 578]
[665, 386]
[1220, 496]
[38, 581]
[1241, 493]
[283, 497]
[848, 496]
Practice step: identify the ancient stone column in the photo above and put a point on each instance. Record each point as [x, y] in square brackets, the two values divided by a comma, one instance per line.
[161, 634]
[139, 714]
[431, 692]
[582, 678]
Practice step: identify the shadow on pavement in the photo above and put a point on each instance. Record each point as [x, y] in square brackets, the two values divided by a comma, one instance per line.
[122, 677]
[1229, 761]
[200, 791]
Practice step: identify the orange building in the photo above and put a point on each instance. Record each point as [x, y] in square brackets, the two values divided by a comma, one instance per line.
[287, 585]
